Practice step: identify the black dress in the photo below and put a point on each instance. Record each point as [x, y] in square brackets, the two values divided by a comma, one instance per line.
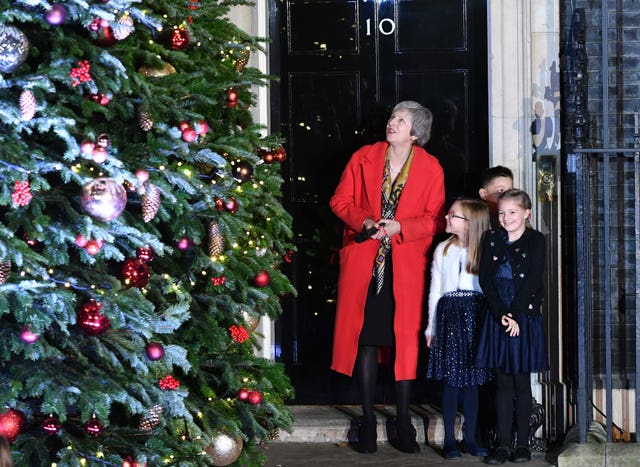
[377, 329]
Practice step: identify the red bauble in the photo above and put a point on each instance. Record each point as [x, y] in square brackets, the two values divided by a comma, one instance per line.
[280, 155]
[232, 205]
[81, 240]
[90, 320]
[86, 146]
[145, 254]
[51, 425]
[12, 422]
[262, 279]
[202, 128]
[135, 273]
[154, 351]
[179, 39]
[28, 336]
[255, 397]
[92, 246]
[183, 125]
[106, 37]
[94, 427]
[232, 95]
[189, 135]
[267, 157]
[243, 394]
[219, 205]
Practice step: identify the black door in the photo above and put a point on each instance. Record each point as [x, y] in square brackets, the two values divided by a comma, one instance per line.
[342, 65]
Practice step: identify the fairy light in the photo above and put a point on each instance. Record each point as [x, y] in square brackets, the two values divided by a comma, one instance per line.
[187, 172]
[204, 273]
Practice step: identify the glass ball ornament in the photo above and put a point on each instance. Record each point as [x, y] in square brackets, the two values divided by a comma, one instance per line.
[154, 351]
[51, 425]
[94, 427]
[135, 273]
[243, 171]
[144, 254]
[14, 48]
[255, 397]
[56, 15]
[243, 394]
[262, 279]
[90, 320]
[28, 336]
[103, 199]
[12, 422]
[224, 449]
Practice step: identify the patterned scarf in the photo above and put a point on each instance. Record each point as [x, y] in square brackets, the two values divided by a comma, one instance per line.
[391, 191]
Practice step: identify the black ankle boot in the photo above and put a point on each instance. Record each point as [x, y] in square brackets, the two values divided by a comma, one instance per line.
[367, 436]
[406, 439]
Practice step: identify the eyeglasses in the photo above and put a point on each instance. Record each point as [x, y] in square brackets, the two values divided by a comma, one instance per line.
[451, 214]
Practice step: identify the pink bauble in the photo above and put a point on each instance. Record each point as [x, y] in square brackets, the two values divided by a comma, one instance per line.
[243, 394]
[99, 154]
[202, 128]
[86, 146]
[183, 125]
[94, 427]
[81, 241]
[189, 135]
[154, 351]
[92, 247]
[144, 254]
[28, 336]
[183, 243]
[142, 175]
[56, 15]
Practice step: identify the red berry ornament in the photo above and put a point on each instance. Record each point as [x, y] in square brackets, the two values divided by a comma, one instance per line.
[90, 320]
[255, 397]
[21, 195]
[239, 333]
[262, 279]
[12, 422]
[169, 382]
[154, 351]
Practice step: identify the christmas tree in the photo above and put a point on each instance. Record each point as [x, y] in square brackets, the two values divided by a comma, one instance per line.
[142, 236]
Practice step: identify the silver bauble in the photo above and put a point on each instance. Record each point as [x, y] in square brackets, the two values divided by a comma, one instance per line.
[104, 199]
[14, 48]
[224, 449]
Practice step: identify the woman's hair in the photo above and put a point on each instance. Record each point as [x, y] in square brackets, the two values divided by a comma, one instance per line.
[421, 117]
[5, 453]
[477, 214]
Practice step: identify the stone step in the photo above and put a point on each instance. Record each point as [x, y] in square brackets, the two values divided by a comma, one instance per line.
[339, 424]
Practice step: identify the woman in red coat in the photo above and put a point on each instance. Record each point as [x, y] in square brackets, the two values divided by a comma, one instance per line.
[395, 191]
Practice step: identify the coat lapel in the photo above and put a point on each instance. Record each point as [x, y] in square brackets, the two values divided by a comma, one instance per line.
[372, 168]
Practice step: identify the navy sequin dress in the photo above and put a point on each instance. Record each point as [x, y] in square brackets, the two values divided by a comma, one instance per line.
[525, 353]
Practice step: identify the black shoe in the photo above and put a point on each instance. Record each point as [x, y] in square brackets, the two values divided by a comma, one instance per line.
[499, 457]
[367, 436]
[406, 440]
[521, 454]
[451, 452]
[477, 452]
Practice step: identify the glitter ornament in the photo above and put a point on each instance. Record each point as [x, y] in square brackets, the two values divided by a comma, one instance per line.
[14, 48]
[145, 120]
[167, 69]
[224, 449]
[104, 199]
[87, 146]
[5, 270]
[27, 105]
[216, 240]
[242, 61]
[142, 175]
[280, 155]
[243, 171]
[154, 351]
[94, 427]
[251, 321]
[179, 39]
[262, 279]
[90, 320]
[150, 202]
[21, 195]
[255, 397]
[144, 254]
[56, 15]
[151, 419]
[51, 425]
[12, 422]
[27, 336]
[135, 273]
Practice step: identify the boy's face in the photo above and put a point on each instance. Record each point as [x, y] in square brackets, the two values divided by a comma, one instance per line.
[492, 191]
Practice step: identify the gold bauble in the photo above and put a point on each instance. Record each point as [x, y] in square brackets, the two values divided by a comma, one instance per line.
[166, 70]
[224, 449]
[251, 321]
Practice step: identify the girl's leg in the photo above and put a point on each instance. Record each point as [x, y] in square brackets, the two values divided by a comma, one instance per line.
[523, 407]
[367, 372]
[449, 409]
[470, 408]
[505, 393]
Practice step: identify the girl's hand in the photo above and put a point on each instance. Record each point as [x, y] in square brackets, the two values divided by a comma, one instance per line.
[429, 340]
[512, 326]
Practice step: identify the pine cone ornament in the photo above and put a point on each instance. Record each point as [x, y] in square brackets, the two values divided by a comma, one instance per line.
[151, 419]
[27, 105]
[150, 202]
[216, 240]
[145, 121]
[242, 60]
[123, 27]
[5, 269]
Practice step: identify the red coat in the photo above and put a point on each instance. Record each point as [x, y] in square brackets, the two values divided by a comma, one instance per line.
[357, 197]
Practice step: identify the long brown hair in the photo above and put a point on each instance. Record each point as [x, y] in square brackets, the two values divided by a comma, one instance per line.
[5, 453]
[476, 213]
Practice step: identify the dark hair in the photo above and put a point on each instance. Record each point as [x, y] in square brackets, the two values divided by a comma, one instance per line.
[489, 174]
[421, 118]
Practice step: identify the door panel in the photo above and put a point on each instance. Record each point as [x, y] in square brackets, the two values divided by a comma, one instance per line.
[342, 66]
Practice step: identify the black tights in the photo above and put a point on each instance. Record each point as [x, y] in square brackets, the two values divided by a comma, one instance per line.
[470, 410]
[508, 387]
[367, 374]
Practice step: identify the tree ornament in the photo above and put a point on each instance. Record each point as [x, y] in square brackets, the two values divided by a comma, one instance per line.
[27, 105]
[179, 39]
[99, 98]
[232, 97]
[219, 204]
[242, 61]
[12, 422]
[21, 195]
[145, 254]
[280, 154]
[231, 205]
[103, 199]
[192, 4]
[243, 171]
[154, 351]
[224, 449]
[87, 146]
[99, 154]
[243, 394]
[169, 382]
[150, 202]
[93, 247]
[56, 15]
[145, 121]
[106, 37]
[266, 155]
[262, 279]
[202, 128]
[189, 135]
[5, 270]
[81, 74]
[14, 48]
[251, 321]
[135, 273]
[167, 69]
[288, 256]
[51, 425]
[81, 240]
[216, 240]
[94, 427]
[238, 333]
[255, 397]
[142, 175]
[183, 243]
[151, 419]
[27, 336]
[218, 281]
[90, 320]
[123, 27]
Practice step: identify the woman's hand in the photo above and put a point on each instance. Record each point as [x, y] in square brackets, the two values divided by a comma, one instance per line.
[511, 324]
[429, 341]
[386, 228]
